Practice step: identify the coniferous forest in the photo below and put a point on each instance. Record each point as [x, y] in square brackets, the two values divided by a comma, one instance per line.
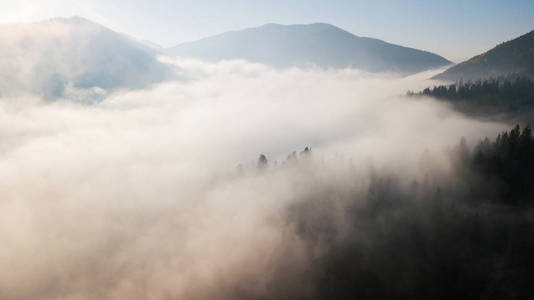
[466, 234]
[506, 98]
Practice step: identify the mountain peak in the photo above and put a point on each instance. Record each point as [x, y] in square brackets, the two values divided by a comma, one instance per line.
[90, 56]
[318, 24]
[320, 44]
[73, 20]
[514, 56]
[304, 27]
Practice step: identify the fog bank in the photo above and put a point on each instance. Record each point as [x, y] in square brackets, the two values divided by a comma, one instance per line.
[138, 197]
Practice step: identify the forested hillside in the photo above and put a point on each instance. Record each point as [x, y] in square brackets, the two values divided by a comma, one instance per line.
[506, 97]
[465, 233]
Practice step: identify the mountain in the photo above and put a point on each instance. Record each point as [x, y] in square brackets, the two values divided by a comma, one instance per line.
[151, 45]
[319, 44]
[515, 56]
[74, 58]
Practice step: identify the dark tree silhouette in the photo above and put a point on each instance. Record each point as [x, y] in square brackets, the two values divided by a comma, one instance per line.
[262, 161]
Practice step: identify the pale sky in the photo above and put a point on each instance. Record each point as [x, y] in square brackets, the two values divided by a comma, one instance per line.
[456, 30]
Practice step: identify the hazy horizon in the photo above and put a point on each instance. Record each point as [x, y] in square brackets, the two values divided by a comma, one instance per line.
[457, 30]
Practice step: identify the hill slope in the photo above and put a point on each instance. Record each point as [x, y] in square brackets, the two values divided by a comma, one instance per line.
[73, 58]
[515, 56]
[317, 44]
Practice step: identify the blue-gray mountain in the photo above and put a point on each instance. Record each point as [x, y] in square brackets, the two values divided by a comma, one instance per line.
[512, 57]
[319, 44]
[74, 58]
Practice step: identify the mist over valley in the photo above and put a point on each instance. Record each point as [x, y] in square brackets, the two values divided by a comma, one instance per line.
[274, 162]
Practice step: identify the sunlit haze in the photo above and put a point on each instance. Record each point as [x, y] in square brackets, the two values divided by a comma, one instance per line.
[249, 150]
[454, 29]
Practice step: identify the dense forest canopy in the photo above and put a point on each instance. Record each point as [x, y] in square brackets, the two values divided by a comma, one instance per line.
[461, 234]
[507, 164]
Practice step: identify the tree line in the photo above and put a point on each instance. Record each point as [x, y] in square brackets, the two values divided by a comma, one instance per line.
[463, 234]
[506, 165]
[512, 94]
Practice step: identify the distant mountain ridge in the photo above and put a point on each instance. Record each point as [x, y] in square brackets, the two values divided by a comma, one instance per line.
[320, 44]
[74, 58]
[512, 57]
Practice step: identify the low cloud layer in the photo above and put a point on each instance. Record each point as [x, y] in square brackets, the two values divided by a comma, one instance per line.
[73, 58]
[138, 197]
